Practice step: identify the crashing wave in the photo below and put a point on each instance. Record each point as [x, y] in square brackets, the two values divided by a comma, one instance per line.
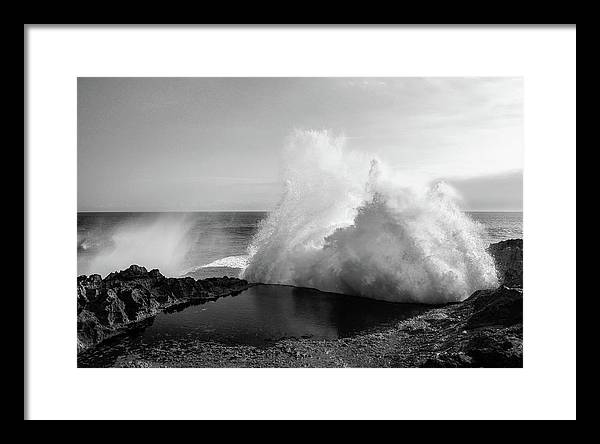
[229, 262]
[345, 224]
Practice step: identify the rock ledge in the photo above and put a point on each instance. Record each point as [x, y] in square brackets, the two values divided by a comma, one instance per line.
[123, 300]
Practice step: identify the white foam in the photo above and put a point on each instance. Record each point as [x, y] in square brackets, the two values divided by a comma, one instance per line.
[234, 262]
[347, 224]
[160, 241]
[229, 262]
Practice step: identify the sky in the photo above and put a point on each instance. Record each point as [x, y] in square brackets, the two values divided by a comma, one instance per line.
[214, 144]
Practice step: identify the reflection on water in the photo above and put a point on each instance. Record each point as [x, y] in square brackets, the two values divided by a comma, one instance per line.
[258, 316]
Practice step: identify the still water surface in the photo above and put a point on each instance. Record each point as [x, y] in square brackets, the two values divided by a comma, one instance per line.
[258, 316]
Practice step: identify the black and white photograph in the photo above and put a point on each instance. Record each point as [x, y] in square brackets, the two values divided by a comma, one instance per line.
[300, 222]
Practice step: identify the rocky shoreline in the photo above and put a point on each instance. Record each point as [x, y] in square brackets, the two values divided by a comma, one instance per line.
[485, 330]
[122, 301]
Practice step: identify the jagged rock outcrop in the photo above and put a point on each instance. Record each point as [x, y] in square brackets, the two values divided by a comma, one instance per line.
[119, 302]
[508, 255]
[488, 331]
[500, 307]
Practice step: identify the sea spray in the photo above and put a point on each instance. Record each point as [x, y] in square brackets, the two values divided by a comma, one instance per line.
[231, 262]
[346, 224]
[158, 241]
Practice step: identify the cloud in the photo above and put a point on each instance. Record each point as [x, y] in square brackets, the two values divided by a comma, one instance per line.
[498, 192]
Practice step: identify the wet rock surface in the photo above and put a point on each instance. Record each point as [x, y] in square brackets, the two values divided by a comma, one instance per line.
[121, 301]
[508, 256]
[485, 330]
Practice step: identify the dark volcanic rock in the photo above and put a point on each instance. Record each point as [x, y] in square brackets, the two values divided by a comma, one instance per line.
[496, 328]
[500, 307]
[449, 360]
[496, 347]
[486, 331]
[508, 255]
[110, 306]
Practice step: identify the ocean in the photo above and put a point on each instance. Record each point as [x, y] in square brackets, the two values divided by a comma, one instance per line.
[200, 244]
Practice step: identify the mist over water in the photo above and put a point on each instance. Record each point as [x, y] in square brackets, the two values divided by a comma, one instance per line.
[160, 240]
[195, 244]
[346, 224]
